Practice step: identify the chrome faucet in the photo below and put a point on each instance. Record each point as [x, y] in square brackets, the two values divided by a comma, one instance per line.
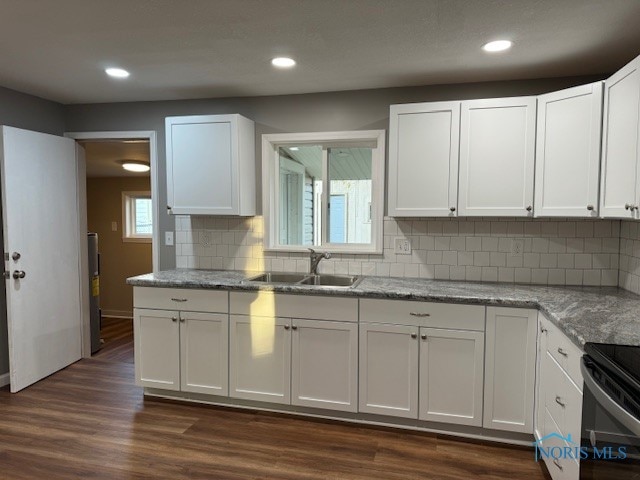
[314, 260]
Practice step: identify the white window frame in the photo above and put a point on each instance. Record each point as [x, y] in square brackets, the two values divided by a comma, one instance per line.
[270, 186]
[128, 217]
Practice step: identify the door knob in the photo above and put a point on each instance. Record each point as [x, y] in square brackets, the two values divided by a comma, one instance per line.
[19, 274]
[15, 256]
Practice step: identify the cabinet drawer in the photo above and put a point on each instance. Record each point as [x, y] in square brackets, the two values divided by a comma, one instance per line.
[268, 304]
[562, 398]
[181, 299]
[559, 468]
[564, 352]
[423, 314]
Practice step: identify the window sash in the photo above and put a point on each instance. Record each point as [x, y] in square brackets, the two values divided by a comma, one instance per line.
[129, 217]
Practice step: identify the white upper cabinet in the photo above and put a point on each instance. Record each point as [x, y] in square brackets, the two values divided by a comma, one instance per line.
[568, 152]
[620, 149]
[497, 144]
[211, 165]
[423, 159]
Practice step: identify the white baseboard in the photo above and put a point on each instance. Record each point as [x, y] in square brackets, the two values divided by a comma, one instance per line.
[4, 379]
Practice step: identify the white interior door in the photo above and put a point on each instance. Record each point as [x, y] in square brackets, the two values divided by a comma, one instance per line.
[40, 223]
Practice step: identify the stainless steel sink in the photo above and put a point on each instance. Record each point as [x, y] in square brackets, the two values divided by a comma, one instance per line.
[332, 280]
[328, 281]
[277, 277]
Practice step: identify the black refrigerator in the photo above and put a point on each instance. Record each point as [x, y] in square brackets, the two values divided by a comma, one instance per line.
[94, 289]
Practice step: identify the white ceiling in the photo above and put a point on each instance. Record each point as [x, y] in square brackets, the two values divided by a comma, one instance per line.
[216, 48]
[104, 157]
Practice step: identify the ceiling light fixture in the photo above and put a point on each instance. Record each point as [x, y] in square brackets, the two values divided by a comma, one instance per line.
[283, 62]
[294, 149]
[135, 166]
[497, 46]
[116, 72]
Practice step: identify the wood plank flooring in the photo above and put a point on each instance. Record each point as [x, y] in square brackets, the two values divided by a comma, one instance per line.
[90, 421]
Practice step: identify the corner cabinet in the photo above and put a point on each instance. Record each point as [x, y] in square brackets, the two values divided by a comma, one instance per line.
[620, 176]
[211, 165]
[497, 145]
[510, 366]
[423, 159]
[568, 152]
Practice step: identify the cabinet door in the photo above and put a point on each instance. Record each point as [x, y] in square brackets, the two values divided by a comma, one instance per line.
[510, 369]
[497, 144]
[540, 392]
[389, 370]
[157, 349]
[324, 366]
[423, 159]
[260, 358]
[204, 357]
[201, 165]
[620, 143]
[451, 376]
[568, 152]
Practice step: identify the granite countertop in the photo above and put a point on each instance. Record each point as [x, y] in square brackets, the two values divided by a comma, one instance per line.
[584, 314]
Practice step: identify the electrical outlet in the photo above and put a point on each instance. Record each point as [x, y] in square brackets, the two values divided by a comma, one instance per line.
[402, 246]
[517, 247]
[168, 238]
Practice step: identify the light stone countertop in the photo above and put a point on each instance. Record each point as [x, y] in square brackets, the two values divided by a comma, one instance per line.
[584, 314]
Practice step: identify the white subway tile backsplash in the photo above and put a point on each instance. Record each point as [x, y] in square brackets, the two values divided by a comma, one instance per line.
[557, 252]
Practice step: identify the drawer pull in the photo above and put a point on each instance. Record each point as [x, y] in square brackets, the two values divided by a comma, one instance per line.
[419, 314]
[562, 352]
[542, 329]
[174, 319]
[560, 402]
[287, 327]
[414, 335]
[557, 464]
[179, 299]
[423, 336]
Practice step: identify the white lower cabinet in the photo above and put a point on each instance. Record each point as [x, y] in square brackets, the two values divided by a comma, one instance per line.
[510, 364]
[324, 364]
[451, 376]
[310, 363]
[157, 349]
[389, 370]
[260, 358]
[181, 351]
[204, 345]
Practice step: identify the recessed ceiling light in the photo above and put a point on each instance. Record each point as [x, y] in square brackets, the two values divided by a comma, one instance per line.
[116, 72]
[283, 62]
[497, 46]
[135, 166]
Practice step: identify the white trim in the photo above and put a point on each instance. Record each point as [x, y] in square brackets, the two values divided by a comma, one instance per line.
[4, 379]
[82, 201]
[349, 138]
[83, 248]
[153, 156]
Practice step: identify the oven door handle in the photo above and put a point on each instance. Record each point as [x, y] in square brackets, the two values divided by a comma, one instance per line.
[610, 405]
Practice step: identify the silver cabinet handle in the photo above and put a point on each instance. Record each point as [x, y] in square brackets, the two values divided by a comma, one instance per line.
[182, 320]
[529, 208]
[294, 327]
[453, 209]
[19, 274]
[414, 335]
[174, 319]
[168, 207]
[628, 206]
[179, 299]
[542, 329]
[419, 314]
[590, 208]
[286, 327]
[557, 464]
[559, 401]
[423, 336]
[562, 352]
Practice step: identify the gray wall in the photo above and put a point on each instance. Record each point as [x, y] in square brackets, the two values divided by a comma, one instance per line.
[32, 113]
[351, 110]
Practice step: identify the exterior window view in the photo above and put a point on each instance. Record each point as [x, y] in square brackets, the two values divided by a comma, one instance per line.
[296, 239]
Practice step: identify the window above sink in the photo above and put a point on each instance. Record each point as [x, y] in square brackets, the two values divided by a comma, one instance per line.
[324, 190]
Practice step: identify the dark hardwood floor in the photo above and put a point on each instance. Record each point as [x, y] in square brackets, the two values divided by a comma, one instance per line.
[90, 421]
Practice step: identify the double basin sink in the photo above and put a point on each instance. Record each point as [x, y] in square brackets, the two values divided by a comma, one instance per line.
[328, 281]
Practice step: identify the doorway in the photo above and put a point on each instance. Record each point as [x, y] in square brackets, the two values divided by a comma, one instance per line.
[121, 211]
